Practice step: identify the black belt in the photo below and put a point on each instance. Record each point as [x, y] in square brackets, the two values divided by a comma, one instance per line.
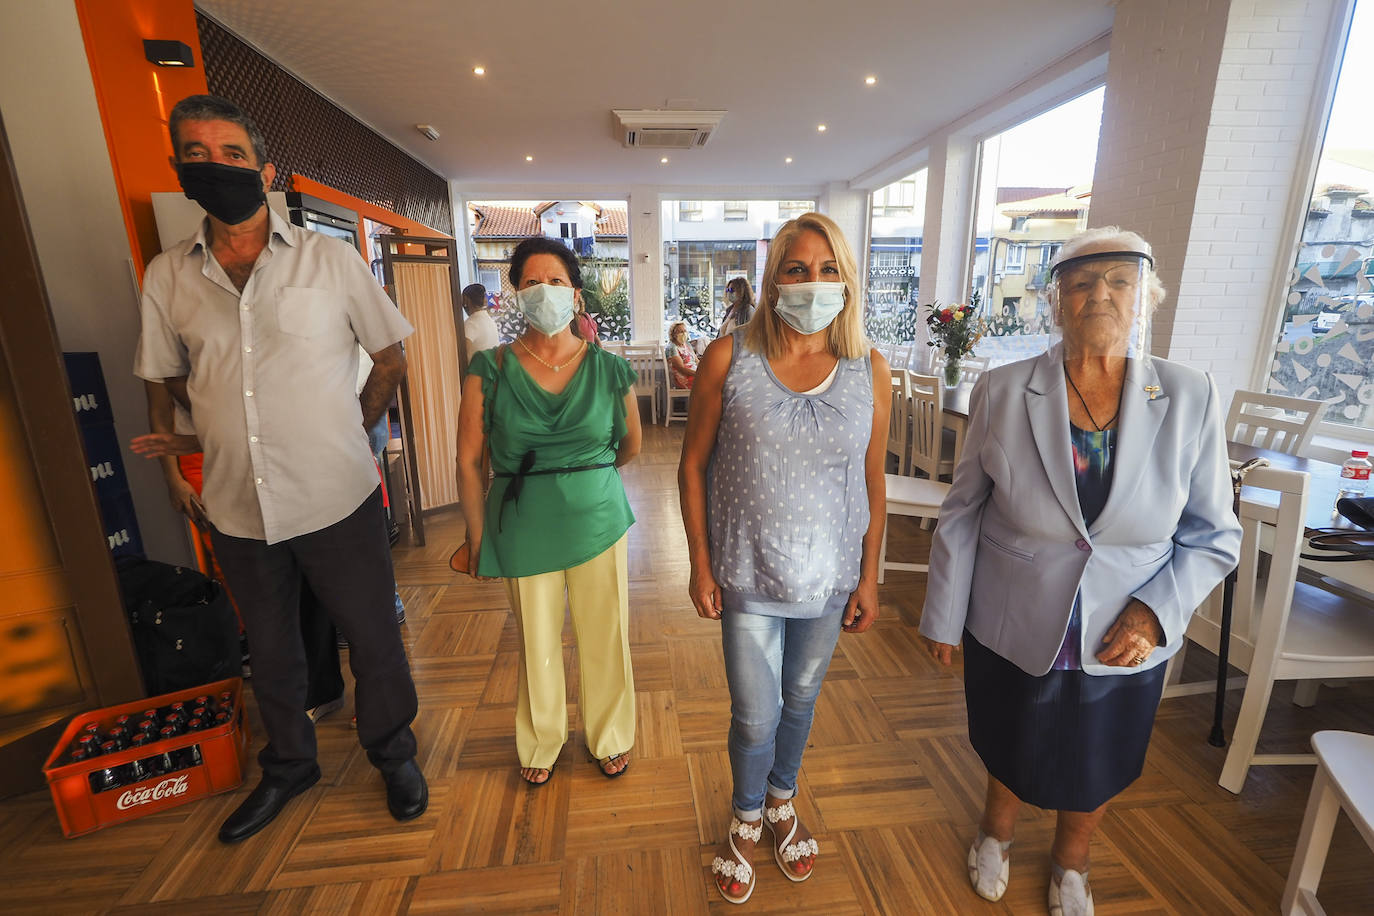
[517, 484]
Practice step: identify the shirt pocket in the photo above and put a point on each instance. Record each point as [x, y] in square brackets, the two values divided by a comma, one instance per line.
[304, 311]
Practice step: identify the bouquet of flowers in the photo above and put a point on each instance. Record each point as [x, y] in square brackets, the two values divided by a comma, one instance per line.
[954, 330]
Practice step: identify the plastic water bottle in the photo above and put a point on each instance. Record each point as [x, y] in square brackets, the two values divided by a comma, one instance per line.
[1355, 474]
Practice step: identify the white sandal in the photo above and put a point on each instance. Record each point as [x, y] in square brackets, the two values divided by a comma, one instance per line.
[1070, 894]
[787, 851]
[989, 866]
[737, 869]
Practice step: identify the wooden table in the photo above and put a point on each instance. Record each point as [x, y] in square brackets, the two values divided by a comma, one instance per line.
[956, 414]
[1324, 482]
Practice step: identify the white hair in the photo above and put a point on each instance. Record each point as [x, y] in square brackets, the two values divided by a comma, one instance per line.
[1111, 238]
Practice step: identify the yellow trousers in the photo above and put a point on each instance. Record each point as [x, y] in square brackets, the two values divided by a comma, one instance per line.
[597, 594]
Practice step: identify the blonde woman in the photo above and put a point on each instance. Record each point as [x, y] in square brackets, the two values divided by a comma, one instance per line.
[739, 305]
[782, 491]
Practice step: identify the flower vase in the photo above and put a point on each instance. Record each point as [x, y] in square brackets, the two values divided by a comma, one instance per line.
[953, 371]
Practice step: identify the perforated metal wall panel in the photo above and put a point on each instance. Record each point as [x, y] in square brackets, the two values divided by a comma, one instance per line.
[309, 135]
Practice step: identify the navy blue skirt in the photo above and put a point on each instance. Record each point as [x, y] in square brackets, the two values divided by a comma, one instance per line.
[1065, 741]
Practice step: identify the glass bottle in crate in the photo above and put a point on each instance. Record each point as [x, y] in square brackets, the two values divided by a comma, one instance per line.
[1355, 475]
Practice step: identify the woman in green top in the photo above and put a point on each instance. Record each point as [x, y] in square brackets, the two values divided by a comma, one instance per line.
[559, 415]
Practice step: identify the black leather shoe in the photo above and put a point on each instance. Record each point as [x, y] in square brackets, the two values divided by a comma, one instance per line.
[407, 793]
[262, 805]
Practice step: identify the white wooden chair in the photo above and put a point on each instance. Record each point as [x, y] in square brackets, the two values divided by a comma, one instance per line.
[1272, 421]
[928, 446]
[1344, 762]
[917, 496]
[973, 367]
[1281, 629]
[674, 395]
[645, 361]
[897, 438]
[614, 346]
[901, 356]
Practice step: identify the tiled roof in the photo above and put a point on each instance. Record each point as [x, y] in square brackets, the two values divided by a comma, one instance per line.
[1050, 205]
[505, 223]
[1011, 194]
[613, 223]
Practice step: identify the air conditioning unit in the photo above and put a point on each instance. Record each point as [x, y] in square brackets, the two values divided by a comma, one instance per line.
[664, 129]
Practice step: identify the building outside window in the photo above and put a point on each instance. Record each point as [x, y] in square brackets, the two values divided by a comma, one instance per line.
[1035, 191]
[894, 259]
[707, 243]
[596, 231]
[1324, 347]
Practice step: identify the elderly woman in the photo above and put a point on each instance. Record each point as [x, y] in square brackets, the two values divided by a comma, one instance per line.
[559, 416]
[739, 305]
[782, 498]
[1090, 514]
[682, 360]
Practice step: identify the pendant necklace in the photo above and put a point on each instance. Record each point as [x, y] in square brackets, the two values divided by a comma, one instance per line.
[1081, 400]
[559, 367]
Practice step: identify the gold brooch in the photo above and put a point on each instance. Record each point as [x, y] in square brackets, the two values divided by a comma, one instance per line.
[1152, 391]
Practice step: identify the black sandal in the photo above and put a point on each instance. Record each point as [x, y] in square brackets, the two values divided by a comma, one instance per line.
[537, 783]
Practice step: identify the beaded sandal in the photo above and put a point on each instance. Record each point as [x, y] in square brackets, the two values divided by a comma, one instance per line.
[736, 868]
[989, 866]
[786, 851]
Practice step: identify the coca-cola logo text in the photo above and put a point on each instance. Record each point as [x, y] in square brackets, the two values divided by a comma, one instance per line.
[168, 788]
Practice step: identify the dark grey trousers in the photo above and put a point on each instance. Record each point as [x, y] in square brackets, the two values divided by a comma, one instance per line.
[348, 567]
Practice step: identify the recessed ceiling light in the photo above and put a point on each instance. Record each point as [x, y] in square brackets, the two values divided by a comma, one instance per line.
[480, 71]
[664, 160]
[870, 80]
[820, 127]
[529, 158]
[788, 160]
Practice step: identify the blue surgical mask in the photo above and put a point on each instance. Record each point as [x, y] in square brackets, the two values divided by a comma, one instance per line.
[810, 307]
[548, 308]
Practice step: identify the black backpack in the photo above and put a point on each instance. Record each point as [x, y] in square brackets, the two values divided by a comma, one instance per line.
[184, 628]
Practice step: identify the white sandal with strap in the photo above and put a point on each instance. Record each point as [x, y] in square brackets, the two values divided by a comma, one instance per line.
[736, 868]
[989, 866]
[787, 851]
[1070, 893]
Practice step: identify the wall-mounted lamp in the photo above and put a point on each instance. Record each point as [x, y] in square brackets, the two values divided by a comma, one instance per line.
[168, 53]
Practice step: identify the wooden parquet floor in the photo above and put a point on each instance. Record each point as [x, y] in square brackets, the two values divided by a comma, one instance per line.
[890, 786]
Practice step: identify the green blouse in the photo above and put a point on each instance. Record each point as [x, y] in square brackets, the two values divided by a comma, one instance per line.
[558, 520]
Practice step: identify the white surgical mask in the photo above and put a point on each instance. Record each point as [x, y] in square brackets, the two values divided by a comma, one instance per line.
[548, 308]
[810, 307]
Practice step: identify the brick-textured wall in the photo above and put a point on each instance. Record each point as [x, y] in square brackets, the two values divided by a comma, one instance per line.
[1241, 234]
[1160, 76]
[1205, 119]
[309, 135]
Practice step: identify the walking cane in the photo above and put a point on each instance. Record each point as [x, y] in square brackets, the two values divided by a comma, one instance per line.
[1228, 596]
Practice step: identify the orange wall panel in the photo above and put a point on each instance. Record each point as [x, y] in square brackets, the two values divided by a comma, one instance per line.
[135, 98]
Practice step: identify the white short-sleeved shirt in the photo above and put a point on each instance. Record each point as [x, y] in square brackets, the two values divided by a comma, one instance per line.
[480, 330]
[272, 375]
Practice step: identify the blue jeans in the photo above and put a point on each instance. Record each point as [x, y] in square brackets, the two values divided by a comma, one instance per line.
[775, 666]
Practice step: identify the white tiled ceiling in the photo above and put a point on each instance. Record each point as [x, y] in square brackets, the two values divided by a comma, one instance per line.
[556, 69]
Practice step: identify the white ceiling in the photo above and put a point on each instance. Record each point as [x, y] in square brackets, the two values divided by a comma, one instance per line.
[556, 69]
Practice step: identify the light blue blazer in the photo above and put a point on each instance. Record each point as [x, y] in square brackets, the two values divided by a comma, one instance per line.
[1011, 549]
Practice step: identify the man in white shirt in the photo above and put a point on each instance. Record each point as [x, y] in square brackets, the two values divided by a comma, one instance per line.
[479, 328]
[254, 325]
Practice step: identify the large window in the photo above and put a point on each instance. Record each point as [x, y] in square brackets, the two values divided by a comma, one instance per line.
[707, 243]
[894, 259]
[596, 231]
[1325, 344]
[1034, 192]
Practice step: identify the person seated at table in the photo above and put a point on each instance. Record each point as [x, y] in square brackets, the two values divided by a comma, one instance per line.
[682, 359]
[1090, 514]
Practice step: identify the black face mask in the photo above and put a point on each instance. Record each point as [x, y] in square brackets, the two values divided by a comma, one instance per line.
[228, 193]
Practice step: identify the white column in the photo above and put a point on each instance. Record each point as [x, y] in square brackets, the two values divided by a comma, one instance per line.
[646, 264]
[950, 190]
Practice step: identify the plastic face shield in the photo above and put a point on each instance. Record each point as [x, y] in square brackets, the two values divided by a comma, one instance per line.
[1102, 306]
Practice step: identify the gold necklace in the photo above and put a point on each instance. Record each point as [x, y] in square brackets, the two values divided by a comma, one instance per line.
[559, 368]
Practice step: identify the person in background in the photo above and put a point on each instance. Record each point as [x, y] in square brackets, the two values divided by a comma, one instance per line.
[254, 326]
[783, 501]
[682, 359]
[1089, 516]
[559, 416]
[739, 306]
[479, 328]
[584, 325]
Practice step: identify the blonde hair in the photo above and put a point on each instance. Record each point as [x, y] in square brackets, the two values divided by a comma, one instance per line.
[845, 336]
[672, 331]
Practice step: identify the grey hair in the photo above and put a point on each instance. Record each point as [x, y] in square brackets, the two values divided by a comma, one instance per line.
[215, 108]
[1110, 238]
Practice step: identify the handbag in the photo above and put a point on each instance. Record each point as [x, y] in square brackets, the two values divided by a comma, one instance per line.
[1344, 545]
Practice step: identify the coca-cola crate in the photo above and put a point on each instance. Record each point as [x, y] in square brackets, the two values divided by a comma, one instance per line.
[106, 789]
